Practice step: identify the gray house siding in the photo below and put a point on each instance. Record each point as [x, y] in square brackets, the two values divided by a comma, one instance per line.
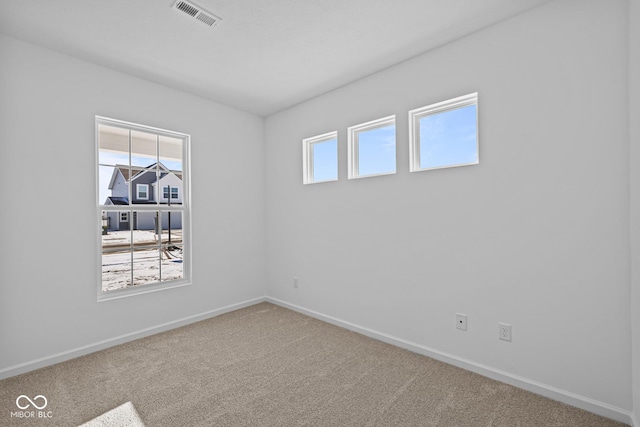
[176, 221]
[146, 220]
[114, 223]
[143, 221]
[144, 178]
[120, 187]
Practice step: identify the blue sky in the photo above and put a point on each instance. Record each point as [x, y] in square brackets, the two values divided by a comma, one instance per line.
[377, 154]
[325, 160]
[377, 151]
[449, 138]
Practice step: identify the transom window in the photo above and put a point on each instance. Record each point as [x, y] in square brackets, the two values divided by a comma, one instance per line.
[372, 148]
[144, 239]
[320, 158]
[444, 134]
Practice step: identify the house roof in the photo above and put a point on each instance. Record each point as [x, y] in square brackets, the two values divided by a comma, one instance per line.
[117, 201]
[131, 173]
[124, 201]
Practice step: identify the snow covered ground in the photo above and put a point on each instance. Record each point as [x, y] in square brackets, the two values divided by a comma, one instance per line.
[148, 263]
[140, 237]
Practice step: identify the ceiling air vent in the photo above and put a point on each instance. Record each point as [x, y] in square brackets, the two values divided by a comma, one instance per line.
[197, 12]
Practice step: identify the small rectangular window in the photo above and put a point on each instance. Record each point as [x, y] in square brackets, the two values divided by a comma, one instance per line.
[445, 134]
[143, 191]
[372, 148]
[320, 158]
[165, 192]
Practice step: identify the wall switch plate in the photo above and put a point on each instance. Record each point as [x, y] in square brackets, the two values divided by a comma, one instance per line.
[504, 331]
[295, 282]
[461, 321]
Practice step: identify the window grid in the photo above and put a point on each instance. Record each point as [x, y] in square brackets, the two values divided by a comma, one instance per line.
[133, 212]
[165, 192]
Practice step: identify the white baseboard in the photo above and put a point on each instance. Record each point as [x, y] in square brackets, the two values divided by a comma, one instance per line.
[101, 345]
[582, 402]
[573, 399]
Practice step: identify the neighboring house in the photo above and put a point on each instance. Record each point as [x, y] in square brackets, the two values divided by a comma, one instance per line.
[147, 187]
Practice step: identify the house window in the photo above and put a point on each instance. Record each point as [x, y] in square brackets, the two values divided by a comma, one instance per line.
[372, 148]
[320, 158]
[174, 192]
[444, 134]
[143, 191]
[144, 242]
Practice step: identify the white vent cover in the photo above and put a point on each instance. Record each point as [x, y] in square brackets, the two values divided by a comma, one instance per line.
[196, 12]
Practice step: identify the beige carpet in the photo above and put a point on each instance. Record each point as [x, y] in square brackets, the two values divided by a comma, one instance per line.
[124, 415]
[269, 366]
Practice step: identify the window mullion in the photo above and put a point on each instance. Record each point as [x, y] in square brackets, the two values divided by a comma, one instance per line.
[143, 252]
[130, 189]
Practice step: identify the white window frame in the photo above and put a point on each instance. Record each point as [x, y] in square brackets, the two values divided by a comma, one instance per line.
[184, 208]
[307, 156]
[164, 195]
[353, 149]
[440, 107]
[146, 191]
[124, 216]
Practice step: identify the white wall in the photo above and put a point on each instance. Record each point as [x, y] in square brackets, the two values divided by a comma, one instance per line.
[634, 138]
[535, 236]
[48, 294]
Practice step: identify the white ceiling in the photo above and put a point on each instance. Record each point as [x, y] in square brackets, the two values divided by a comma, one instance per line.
[265, 55]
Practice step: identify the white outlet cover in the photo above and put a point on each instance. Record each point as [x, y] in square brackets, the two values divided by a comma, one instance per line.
[504, 331]
[461, 321]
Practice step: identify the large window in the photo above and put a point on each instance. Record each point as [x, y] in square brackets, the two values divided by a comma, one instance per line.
[372, 148]
[143, 208]
[444, 134]
[320, 158]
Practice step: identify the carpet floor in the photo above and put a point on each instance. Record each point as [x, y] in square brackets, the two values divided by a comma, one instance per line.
[269, 366]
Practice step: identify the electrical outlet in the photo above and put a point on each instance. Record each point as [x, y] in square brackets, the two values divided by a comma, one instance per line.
[504, 331]
[295, 282]
[461, 321]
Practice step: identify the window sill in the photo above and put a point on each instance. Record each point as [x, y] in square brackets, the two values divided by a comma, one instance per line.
[139, 290]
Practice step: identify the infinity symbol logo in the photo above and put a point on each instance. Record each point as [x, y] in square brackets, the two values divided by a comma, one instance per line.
[22, 397]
